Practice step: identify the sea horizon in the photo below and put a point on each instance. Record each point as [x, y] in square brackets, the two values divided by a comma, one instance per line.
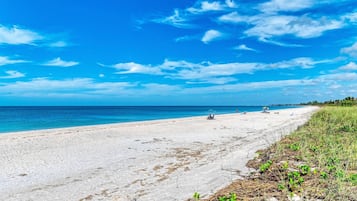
[30, 118]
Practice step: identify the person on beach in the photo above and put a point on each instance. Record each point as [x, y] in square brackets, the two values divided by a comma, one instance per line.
[210, 116]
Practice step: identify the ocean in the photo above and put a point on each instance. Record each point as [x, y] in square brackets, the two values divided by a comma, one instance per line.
[14, 119]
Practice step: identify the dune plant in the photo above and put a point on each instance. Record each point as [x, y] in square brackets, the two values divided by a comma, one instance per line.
[231, 197]
[265, 166]
[196, 196]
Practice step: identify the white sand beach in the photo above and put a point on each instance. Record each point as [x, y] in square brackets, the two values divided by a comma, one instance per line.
[142, 161]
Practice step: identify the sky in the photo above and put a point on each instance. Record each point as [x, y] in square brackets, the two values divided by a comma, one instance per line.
[170, 52]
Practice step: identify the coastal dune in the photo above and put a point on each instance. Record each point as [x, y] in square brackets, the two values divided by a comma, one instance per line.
[143, 161]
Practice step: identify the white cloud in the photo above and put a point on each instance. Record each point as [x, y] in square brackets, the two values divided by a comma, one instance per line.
[274, 42]
[206, 6]
[335, 86]
[58, 44]
[184, 18]
[352, 50]
[174, 65]
[245, 47]
[208, 72]
[249, 86]
[17, 36]
[352, 17]
[349, 67]
[339, 77]
[231, 4]
[6, 61]
[71, 87]
[186, 38]
[176, 20]
[301, 62]
[285, 5]
[301, 27]
[234, 18]
[267, 26]
[211, 35]
[131, 67]
[12, 74]
[211, 6]
[85, 87]
[60, 63]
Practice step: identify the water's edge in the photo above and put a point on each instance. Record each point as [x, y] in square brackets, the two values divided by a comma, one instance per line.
[29, 118]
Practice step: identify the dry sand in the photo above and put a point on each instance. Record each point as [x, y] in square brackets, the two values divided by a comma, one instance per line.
[143, 161]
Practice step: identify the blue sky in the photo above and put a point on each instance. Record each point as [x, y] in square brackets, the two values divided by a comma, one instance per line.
[187, 52]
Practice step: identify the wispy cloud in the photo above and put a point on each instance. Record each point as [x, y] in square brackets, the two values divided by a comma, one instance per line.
[352, 50]
[245, 47]
[234, 18]
[6, 61]
[176, 20]
[79, 86]
[300, 62]
[58, 44]
[270, 22]
[131, 67]
[212, 35]
[11, 74]
[86, 87]
[250, 86]
[60, 63]
[186, 38]
[352, 17]
[206, 6]
[278, 43]
[15, 35]
[339, 77]
[352, 66]
[285, 5]
[183, 18]
[18, 36]
[208, 72]
[89, 88]
[269, 26]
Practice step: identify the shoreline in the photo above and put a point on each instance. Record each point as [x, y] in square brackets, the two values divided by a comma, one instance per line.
[146, 160]
[133, 121]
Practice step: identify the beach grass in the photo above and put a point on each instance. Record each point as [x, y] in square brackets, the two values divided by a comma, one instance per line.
[316, 162]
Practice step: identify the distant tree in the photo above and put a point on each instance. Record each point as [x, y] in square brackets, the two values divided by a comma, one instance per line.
[347, 101]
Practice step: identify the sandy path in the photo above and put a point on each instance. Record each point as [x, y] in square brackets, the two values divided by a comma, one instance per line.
[154, 160]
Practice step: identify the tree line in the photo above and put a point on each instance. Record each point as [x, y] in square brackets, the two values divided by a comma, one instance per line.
[348, 101]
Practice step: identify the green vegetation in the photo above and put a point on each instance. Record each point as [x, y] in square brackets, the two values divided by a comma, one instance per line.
[231, 197]
[318, 161]
[348, 101]
[305, 169]
[196, 196]
[295, 180]
[294, 147]
[264, 167]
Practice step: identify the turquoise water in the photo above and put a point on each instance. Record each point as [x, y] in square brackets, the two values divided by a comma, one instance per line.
[14, 119]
